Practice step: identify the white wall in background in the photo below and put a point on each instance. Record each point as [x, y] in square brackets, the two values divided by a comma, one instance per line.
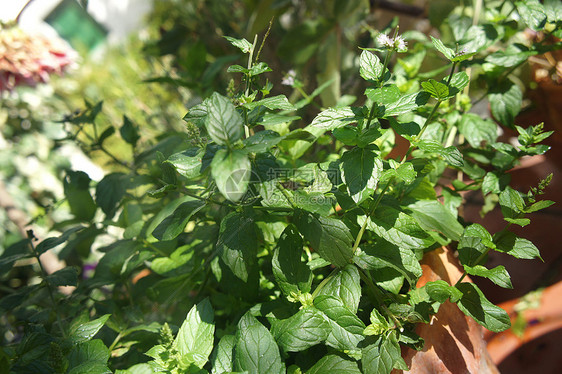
[120, 17]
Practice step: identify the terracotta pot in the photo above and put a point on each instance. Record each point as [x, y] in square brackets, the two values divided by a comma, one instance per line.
[454, 343]
[545, 319]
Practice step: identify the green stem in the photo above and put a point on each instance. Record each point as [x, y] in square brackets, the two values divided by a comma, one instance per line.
[264, 39]
[115, 341]
[324, 281]
[384, 66]
[428, 119]
[378, 297]
[478, 260]
[364, 226]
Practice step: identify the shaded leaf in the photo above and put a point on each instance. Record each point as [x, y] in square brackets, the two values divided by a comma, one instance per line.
[474, 304]
[237, 244]
[330, 237]
[291, 273]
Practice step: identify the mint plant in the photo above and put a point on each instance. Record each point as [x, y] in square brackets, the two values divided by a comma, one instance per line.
[249, 243]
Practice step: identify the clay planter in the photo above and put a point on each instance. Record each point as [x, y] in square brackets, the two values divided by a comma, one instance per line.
[454, 343]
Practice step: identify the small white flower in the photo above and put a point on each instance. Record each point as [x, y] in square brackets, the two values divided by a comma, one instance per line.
[400, 44]
[289, 79]
[385, 41]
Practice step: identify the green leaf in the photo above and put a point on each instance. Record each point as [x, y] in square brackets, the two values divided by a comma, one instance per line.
[539, 205]
[259, 68]
[275, 102]
[93, 351]
[553, 10]
[345, 285]
[498, 275]
[222, 358]
[49, 243]
[244, 45]
[262, 141]
[474, 304]
[432, 215]
[334, 364]
[382, 355]
[515, 246]
[383, 95]
[90, 368]
[77, 191]
[330, 237]
[505, 103]
[256, 351]
[165, 212]
[86, 331]
[237, 244]
[67, 276]
[458, 82]
[440, 291]
[291, 273]
[478, 231]
[129, 132]
[346, 328]
[188, 163]
[194, 341]
[518, 221]
[224, 124]
[450, 154]
[533, 13]
[447, 52]
[494, 182]
[386, 255]
[174, 224]
[405, 172]
[109, 192]
[438, 90]
[398, 228]
[406, 104]
[511, 203]
[453, 156]
[379, 323]
[106, 134]
[361, 172]
[477, 130]
[231, 170]
[301, 331]
[370, 67]
[197, 114]
[333, 118]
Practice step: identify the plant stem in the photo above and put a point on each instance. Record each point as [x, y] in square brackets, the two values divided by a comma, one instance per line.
[378, 296]
[18, 17]
[324, 281]
[364, 226]
[384, 66]
[428, 119]
[116, 340]
[480, 258]
[264, 39]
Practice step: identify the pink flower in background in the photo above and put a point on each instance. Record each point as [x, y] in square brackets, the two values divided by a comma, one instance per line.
[30, 59]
